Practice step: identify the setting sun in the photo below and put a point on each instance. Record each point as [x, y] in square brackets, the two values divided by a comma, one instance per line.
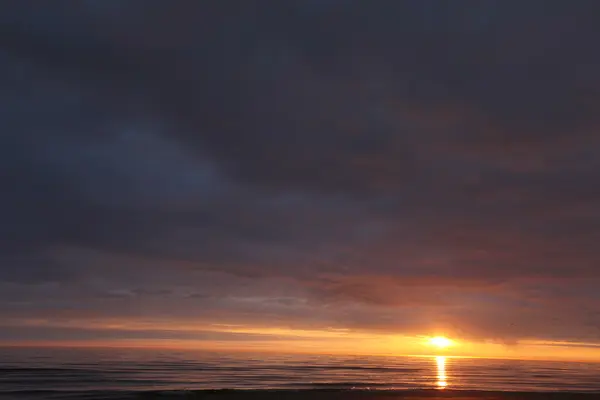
[440, 342]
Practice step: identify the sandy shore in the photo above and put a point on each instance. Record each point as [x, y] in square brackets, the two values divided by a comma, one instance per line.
[366, 395]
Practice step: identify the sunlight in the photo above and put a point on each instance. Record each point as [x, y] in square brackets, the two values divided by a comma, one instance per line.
[440, 342]
[441, 372]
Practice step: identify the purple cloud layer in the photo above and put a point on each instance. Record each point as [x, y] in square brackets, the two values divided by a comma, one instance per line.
[385, 166]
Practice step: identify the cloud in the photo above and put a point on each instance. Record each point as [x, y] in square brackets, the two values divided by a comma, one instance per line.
[373, 166]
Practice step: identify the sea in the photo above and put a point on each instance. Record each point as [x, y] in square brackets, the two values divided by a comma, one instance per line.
[66, 373]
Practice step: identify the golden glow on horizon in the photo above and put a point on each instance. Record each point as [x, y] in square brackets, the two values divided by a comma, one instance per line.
[442, 378]
[440, 342]
[307, 341]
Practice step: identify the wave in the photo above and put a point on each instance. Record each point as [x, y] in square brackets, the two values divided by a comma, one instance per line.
[298, 394]
[117, 374]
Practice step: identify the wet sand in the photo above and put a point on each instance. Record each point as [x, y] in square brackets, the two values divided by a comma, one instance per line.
[366, 395]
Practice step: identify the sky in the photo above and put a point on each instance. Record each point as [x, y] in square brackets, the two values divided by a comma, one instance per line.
[333, 175]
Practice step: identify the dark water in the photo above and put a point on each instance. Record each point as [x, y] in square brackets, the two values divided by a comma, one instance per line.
[59, 373]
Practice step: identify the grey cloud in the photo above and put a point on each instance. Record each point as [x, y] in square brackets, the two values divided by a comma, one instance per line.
[403, 143]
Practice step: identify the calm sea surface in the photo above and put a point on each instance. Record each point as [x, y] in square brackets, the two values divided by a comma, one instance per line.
[57, 372]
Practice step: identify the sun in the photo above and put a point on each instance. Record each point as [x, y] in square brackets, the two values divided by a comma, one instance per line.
[440, 342]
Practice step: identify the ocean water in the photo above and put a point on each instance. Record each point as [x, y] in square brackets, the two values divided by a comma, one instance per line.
[90, 373]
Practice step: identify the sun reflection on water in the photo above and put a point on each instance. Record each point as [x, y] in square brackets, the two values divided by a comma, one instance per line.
[442, 379]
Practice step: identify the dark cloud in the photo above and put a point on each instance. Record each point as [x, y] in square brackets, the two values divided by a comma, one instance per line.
[347, 164]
